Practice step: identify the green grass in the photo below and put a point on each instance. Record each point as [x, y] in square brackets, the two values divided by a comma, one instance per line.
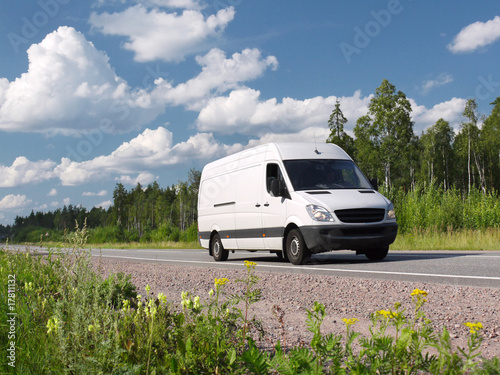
[128, 245]
[487, 239]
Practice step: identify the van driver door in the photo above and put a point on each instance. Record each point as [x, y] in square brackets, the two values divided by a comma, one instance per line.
[273, 209]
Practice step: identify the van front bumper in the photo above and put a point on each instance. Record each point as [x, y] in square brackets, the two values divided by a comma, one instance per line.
[321, 238]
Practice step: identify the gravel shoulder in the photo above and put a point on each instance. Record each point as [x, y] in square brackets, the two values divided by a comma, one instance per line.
[343, 297]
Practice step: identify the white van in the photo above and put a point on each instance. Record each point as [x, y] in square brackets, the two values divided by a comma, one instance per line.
[292, 199]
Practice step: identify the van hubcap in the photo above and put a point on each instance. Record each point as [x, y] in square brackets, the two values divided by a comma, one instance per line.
[216, 248]
[295, 247]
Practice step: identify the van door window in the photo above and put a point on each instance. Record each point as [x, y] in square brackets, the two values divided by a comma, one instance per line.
[274, 179]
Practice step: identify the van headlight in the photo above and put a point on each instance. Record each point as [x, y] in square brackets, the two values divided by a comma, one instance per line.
[319, 213]
[391, 214]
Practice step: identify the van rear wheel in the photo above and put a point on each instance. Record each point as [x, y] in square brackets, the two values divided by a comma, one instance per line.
[296, 248]
[218, 251]
[377, 254]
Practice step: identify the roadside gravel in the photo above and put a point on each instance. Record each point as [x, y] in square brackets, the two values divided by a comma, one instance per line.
[293, 294]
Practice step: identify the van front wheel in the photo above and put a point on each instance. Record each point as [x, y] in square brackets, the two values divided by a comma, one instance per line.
[296, 248]
[218, 251]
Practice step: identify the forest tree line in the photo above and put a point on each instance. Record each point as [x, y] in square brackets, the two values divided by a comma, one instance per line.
[149, 213]
[384, 146]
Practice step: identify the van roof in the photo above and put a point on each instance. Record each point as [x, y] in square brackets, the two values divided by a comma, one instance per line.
[305, 150]
[281, 150]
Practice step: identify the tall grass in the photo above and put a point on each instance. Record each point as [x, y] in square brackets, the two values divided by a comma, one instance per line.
[438, 210]
[465, 239]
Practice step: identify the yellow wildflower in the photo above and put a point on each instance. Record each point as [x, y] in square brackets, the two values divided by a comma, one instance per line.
[221, 281]
[474, 327]
[419, 292]
[350, 321]
[249, 264]
[386, 314]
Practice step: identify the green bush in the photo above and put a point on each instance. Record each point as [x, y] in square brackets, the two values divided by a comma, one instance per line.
[431, 208]
[190, 234]
[33, 234]
[110, 234]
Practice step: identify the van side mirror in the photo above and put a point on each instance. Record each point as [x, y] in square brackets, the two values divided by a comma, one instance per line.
[275, 187]
[374, 183]
[278, 188]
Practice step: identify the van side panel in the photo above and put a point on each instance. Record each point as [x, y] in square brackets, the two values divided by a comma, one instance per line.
[248, 210]
[216, 210]
[228, 200]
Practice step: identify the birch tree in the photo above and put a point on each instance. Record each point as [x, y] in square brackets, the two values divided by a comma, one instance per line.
[383, 135]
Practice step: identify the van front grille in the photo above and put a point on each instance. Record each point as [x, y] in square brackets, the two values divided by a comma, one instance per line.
[361, 215]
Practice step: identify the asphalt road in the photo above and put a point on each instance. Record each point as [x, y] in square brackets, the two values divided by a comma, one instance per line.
[464, 268]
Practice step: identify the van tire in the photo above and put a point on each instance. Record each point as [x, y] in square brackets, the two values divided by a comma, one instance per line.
[377, 254]
[279, 253]
[296, 248]
[218, 251]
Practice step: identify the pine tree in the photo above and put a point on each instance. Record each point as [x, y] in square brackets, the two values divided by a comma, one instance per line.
[337, 134]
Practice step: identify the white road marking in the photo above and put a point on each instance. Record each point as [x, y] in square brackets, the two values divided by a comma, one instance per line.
[315, 268]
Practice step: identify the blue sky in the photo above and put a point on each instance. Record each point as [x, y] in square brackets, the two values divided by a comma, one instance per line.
[106, 91]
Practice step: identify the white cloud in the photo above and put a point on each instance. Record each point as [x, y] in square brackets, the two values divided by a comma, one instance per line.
[476, 35]
[218, 75]
[12, 201]
[70, 88]
[105, 204]
[66, 201]
[52, 193]
[311, 134]
[157, 35]
[243, 112]
[92, 194]
[143, 178]
[450, 111]
[152, 149]
[441, 80]
[23, 172]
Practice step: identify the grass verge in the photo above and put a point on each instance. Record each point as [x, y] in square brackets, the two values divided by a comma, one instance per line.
[128, 245]
[487, 239]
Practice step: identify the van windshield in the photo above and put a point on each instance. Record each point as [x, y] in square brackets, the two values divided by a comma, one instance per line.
[317, 174]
